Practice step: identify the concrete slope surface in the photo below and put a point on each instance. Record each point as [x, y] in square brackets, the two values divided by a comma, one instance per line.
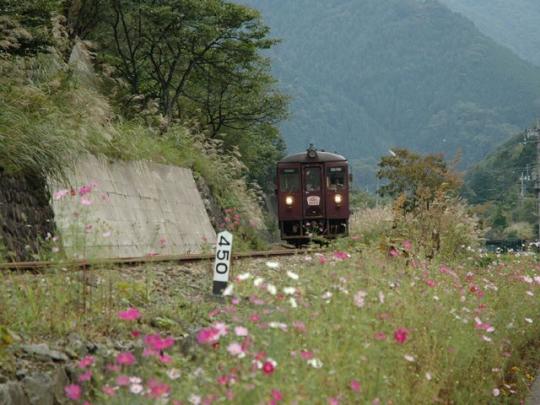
[128, 209]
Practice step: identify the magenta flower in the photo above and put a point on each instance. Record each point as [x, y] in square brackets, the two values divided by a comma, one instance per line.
[306, 355]
[322, 259]
[431, 283]
[277, 395]
[73, 392]
[157, 343]
[393, 252]
[158, 389]
[268, 367]
[86, 189]
[407, 245]
[341, 255]
[126, 359]
[208, 336]
[86, 361]
[122, 380]
[355, 385]
[401, 335]
[129, 315]
[86, 376]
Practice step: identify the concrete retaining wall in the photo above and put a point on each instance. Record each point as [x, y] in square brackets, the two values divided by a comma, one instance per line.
[129, 209]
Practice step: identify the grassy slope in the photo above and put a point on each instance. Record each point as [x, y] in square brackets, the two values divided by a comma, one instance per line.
[342, 330]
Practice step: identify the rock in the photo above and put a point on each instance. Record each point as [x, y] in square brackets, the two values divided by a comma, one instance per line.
[60, 380]
[21, 373]
[39, 388]
[12, 393]
[43, 352]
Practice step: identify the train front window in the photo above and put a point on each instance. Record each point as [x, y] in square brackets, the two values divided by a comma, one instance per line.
[313, 179]
[289, 181]
[335, 179]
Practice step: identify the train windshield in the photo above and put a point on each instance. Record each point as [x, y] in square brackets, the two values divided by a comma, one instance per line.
[289, 181]
[335, 179]
[313, 179]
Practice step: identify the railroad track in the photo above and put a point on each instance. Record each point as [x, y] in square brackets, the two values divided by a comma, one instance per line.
[127, 261]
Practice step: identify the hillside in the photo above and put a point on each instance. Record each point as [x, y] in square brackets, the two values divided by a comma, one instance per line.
[511, 23]
[367, 76]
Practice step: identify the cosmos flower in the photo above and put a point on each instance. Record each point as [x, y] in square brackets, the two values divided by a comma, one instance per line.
[401, 335]
[73, 391]
[130, 314]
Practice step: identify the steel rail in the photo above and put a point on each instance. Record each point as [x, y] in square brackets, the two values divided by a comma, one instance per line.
[195, 257]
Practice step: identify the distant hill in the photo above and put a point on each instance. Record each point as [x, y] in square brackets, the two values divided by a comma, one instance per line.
[373, 74]
[513, 23]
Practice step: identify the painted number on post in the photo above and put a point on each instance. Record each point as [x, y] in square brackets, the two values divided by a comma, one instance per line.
[222, 264]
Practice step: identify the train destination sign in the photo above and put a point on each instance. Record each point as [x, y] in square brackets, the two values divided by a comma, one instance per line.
[222, 264]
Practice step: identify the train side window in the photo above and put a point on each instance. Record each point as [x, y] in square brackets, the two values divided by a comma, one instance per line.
[313, 179]
[335, 178]
[289, 181]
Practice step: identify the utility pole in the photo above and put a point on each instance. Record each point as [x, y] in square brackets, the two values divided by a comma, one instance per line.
[535, 133]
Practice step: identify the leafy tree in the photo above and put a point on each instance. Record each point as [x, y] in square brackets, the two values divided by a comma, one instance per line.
[414, 177]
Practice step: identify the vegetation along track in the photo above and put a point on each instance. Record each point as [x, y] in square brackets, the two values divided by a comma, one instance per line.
[78, 264]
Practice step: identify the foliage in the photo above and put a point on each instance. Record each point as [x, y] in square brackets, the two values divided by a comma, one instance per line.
[513, 25]
[371, 75]
[352, 328]
[413, 177]
[202, 62]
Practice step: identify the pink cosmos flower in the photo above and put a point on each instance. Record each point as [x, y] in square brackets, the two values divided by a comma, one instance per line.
[255, 318]
[129, 315]
[341, 255]
[379, 336]
[407, 245]
[333, 401]
[157, 343]
[401, 335]
[86, 201]
[221, 328]
[158, 389]
[431, 283]
[122, 380]
[268, 367]
[299, 326]
[322, 259]
[277, 395]
[126, 359]
[86, 361]
[165, 359]
[235, 349]
[73, 391]
[208, 336]
[60, 194]
[86, 376]
[393, 252]
[108, 390]
[355, 385]
[240, 331]
[306, 355]
[113, 368]
[86, 189]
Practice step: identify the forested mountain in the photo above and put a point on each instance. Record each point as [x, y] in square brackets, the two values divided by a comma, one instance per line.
[511, 23]
[373, 74]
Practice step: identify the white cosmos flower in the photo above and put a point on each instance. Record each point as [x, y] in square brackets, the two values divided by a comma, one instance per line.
[292, 275]
[293, 303]
[271, 289]
[136, 389]
[289, 290]
[315, 363]
[428, 376]
[327, 295]
[173, 374]
[528, 320]
[409, 357]
[258, 281]
[135, 380]
[243, 276]
[381, 297]
[272, 265]
[228, 290]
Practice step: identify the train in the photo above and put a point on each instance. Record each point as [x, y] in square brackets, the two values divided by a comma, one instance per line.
[312, 190]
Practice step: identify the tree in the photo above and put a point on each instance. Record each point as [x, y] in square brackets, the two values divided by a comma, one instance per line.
[415, 178]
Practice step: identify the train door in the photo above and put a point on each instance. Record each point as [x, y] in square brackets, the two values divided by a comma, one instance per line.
[313, 191]
[337, 190]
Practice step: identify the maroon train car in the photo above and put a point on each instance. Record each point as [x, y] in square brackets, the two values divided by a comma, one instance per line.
[312, 191]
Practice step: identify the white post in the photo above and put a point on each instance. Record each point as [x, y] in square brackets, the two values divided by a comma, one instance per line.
[222, 264]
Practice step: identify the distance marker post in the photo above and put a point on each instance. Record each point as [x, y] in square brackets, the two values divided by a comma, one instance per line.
[222, 264]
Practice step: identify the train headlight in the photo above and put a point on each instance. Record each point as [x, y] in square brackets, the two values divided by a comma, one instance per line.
[289, 200]
[338, 199]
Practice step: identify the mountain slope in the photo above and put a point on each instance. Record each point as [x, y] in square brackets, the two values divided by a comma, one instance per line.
[370, 75]
[511, 23]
